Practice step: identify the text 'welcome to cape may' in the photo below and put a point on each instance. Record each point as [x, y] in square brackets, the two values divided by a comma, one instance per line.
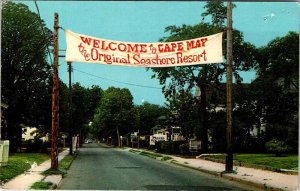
[81, 48]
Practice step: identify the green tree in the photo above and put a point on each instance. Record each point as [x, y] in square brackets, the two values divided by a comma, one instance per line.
[217, 120]
[245, 119]
[84, 103]
[115, 114]
[79, 107]
[25, 73]
[217, 11]
[184, 113]
[148, 115]
[92, 98]
[64, 110]
[184, 79]
[94, 95]
[277, 87]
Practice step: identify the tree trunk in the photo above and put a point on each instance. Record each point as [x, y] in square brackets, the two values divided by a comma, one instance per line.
[118, 136]
[14, 131]
[203, 113]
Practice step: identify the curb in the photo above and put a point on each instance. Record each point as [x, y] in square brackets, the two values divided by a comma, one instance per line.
[195, 168]
[224, 175]
[75, 154]
[228, 177]
[57, 183]
[54, 186]
[266, 168]
[61, 177]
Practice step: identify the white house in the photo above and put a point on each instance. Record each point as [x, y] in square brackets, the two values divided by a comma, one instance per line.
[29, 133]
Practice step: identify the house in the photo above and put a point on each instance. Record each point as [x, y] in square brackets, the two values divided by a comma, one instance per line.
[29, 133]
[165, 134]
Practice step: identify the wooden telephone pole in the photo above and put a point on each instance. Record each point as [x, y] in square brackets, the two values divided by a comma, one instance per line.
[55, 106]
[229, 157]
[70, 109]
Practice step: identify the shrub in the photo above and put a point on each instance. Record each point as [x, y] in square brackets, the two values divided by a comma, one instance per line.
[36, 145]
[175, 146]
[276, 147]
[171, 147]
[166, 147]
[184, 148]
[144, 143]
[158, 146]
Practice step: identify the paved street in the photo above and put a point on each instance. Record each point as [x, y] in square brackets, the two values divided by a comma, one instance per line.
[103, 168]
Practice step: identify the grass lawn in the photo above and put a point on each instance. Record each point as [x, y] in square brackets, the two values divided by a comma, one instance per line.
[265, 160]
[151, 155]
[65, 163]
[134, 151]
[41, 185]
[63, 166]
[165, 158]
[18, 163]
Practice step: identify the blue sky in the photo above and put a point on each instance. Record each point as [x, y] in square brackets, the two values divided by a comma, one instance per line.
[145, 22]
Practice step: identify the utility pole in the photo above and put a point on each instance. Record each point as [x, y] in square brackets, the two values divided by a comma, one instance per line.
[70, 110]
[229, 157]
[138, 138]
[55, 106]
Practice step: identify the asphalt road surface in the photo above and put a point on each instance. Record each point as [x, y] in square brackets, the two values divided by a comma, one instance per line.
[99, 167]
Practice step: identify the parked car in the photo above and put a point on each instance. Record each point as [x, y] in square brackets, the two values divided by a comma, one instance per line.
[88, 141]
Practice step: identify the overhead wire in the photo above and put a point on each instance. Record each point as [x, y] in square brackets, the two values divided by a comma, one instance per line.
[37, 7]
[137, 85]
[131, 84]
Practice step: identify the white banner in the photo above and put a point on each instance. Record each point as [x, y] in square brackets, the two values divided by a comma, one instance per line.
[204, 50]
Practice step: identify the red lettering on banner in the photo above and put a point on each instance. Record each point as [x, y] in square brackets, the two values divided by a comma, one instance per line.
[86, 40]
[160, 49]
[187, 52]
[191, 58]
[153, 60]
[190, 44]
[143, 48]
[103, 45]
[94, 54]
[180, 46]
[167, 48]
[132, 48]
[174, 45]
[122, 47]
[135, 48]
[96, 43]
[110, 47]
[199, 43]
[170, 47]
[83, 51]
[203, 41]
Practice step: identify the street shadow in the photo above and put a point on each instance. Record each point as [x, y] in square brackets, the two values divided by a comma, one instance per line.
[178, 187]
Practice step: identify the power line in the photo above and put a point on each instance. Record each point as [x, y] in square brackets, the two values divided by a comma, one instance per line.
[42, 29]
[137, 85]
[143, 86]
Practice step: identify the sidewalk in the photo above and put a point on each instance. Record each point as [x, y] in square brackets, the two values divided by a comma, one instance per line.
[24, 181]
[259, 178]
